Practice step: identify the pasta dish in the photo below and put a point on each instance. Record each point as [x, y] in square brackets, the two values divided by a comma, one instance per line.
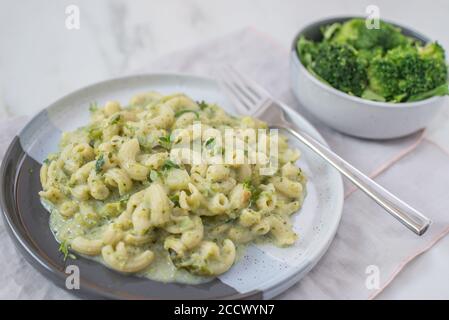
[118, 192]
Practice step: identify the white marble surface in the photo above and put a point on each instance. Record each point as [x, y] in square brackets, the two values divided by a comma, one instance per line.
[41, 60]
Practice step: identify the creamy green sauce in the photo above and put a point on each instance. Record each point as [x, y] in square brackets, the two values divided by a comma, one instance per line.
[161, 269]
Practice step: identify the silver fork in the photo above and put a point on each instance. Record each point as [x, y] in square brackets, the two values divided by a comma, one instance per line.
[250, 98]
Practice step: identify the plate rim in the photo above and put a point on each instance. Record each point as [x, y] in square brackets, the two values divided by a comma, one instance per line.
[58, 277]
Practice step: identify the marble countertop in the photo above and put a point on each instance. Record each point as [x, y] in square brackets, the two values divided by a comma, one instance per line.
[41, 60]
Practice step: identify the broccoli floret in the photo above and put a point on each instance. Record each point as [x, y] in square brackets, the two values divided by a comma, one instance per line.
[367, 55]
[442, 90]
[356, 33]
[406, 72]
[432, 51]
[306, 51]
[336, 64]
[329, 30]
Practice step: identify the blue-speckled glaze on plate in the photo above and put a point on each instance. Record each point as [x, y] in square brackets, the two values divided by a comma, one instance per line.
[263, 272]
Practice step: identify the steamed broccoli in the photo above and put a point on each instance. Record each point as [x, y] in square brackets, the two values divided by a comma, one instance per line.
[376, 64]
[306, 50]
[406, 72]
[336, 64]
[432, 51]
[354, 32]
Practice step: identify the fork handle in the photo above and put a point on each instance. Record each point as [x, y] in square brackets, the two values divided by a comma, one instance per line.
[409, 216]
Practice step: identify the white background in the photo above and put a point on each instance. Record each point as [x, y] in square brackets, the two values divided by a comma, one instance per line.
[40, 60]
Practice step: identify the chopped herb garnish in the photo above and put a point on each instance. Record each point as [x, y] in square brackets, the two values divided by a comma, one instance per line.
[124, 200]
[247, 184]
[210, 143]
[115, 119]
[99, 164]
[255, 191]
[175, 199]
[93, 106]
[64, 249]
[168, 164]
[47, 161]
[165, 142]
[30, 170]
[203, 105]
[181, 112]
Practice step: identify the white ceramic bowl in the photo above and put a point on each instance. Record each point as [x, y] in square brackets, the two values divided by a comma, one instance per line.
[353, 115]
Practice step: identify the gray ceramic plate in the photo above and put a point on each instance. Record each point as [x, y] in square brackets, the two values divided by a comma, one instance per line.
[263, 272]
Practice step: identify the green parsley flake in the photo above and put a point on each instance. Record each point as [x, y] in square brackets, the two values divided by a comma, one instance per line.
[165, 142]
[202, 104]
[168, 164]
[99, 164]
[64, 249]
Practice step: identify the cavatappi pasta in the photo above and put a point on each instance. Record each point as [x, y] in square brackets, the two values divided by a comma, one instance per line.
[116, 194]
